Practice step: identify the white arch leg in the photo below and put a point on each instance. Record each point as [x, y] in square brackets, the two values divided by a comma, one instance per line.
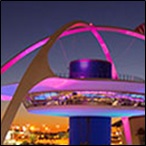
[40, 66]
[127, 130]
[105, 50]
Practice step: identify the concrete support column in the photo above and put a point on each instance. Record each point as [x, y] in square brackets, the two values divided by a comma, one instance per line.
[127, 130]
[90, 130]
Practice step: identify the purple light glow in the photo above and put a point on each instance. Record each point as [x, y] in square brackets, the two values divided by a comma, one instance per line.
[106, 51]
[77, 84]
[64, 84]
[30, 49]
[6, 98]
[122, 31]
[23, 54]
[7, 91]
[84, 64]
[83, 110]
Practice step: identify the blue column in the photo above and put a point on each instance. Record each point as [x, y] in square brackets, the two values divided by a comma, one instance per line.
[90, 130]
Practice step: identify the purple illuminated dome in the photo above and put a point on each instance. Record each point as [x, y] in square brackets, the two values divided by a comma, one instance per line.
[90, 68]
[91, 95]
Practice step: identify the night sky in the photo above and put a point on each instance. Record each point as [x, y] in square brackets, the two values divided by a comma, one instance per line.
[24, 22]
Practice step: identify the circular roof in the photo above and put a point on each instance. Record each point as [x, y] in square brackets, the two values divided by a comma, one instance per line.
[60, 84]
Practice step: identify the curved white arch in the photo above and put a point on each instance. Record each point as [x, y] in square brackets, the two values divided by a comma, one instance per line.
[40, 43]
[30, 79]
[41, 59]
[105, 50]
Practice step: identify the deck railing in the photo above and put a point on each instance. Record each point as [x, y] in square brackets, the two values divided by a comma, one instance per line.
[124, 77]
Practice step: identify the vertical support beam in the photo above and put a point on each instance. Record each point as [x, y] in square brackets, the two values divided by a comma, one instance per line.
[127, 130]
[90, 131]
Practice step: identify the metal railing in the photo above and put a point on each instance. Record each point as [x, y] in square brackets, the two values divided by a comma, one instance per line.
[130, 78]
[124, 77]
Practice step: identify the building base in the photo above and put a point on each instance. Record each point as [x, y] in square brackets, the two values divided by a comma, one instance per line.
[90, 131]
